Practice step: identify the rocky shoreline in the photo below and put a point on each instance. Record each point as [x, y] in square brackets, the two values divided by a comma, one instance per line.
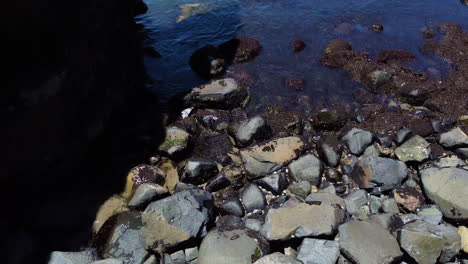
[385, 182]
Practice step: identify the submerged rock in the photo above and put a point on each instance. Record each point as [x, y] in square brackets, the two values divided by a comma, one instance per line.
[190, 10]
[264, 159]
[369, 243]
[176, 219]
[207, 62]
[447, 187]
[219, 94]
[295, 83]
[376, 28]
[301, 220]
[315, 251]
[240, 49]
[390, 55]
[298, 45]
[232, 246]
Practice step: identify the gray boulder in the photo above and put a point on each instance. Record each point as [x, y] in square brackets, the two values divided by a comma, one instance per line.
[430, 214]
[414, 149]
[233, 207]
[356, 200]
[447, 188]
[176, 219]
[277, 258]
[301, 189]
[264, 159]
[125, 239]
[365, 242]
[218, 94]
[377, 172]
[109, 261]
[253, 198]
[307, 168]
[83, 257]
[318, 251]
[357, 140]
[145, 193]
[301, 220]
[402, 135]
[176, 141]
[275, 183]
[232, 246]
[454, 138]
[252, 129]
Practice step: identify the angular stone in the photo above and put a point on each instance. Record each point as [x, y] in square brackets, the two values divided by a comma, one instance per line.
[277, 258]
[146, 193]
[326, 198]
[125, 240]
[447, 188]
[307, 168]
[357, 140]
[402, 135]
[233, 207]
[253, 198]
[301, 220]
[232, 246]
[266, 158]
[83, 257]
[454, 138]
[191, 254]
[318, 251]
[176, 219]
[377, 172]
[430, 214]
[176, 140]
[390, 206]
[356, 200]
[109, 261]
[217, 183]
[275, 183]
[252, 129]
[364, 242]
[409, 198]
[301, 189]
[218, 94]
[414, 149]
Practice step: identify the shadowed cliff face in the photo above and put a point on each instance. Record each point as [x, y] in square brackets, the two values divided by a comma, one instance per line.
[75, 117]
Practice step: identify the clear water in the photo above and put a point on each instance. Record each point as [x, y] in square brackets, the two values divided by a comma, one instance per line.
[276, 23]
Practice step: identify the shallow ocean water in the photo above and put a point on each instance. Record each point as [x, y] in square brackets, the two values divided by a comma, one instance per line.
[276, 23]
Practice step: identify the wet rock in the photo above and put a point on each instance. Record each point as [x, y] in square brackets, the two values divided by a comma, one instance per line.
[176, 219]
[402, 135]
[390, 206]
[410, 198]
[356, 200]
[301, 189]
[232, 246]
[414, 149]
[357, 140]
[446, 187]
[147, 193]
[207, 62]
[277, 258]
[298, 45]
[364, 242]
[379, 77]
[83, 257]
[330, 149]
[430, 214]
[454, 138]
[330, 119]
[217, 183]
[337, 45]
[253, 198]
[392, 55]
[112, 206]
[314, 251]
[264, 159]
[332, 175]
[199, 171]
[125, 239]
[376, 28]
[252, 129]
[307, 168]
[240, 49]
[294, 218]
[218, 94]
[233, 207]
[275, 183]
[344, 28]
[463, 232]
[176, 141]
[190, 10]
[382, 173]
[426, 242]
[295, 83]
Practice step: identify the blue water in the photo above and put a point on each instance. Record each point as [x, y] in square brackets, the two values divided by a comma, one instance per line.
[276, 23]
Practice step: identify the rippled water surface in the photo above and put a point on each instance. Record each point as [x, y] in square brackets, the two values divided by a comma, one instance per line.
[276, 23]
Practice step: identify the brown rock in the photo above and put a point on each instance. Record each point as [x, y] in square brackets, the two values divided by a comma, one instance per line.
[298, 45]
[295, 83]
[388, 55]
[409, 198]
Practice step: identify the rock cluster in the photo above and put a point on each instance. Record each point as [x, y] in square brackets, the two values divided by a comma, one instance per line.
[299, 190]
